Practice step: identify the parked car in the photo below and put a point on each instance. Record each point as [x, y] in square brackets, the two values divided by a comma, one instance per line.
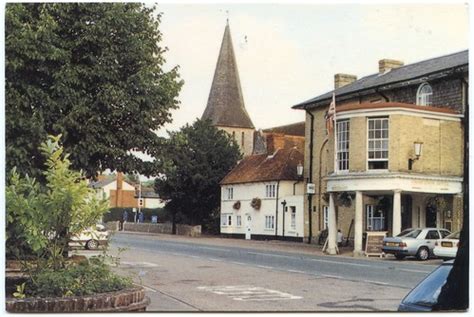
[425, 295]
[448, 247]
[91, 238]
[417, 242]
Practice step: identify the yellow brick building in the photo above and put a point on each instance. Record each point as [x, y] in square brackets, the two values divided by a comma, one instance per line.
[399, 151]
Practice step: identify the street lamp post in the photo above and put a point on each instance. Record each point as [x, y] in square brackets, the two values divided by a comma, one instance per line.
[283, 203]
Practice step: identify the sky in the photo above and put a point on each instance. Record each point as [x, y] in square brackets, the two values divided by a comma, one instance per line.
[293, 50]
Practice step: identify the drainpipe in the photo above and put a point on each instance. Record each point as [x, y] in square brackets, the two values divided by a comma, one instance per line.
[320, 178]
[310, 177]
[276, 208]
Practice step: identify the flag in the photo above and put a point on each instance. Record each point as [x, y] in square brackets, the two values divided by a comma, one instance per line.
[331, 116]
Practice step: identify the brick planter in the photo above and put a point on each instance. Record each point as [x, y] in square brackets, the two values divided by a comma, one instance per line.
[132, 299]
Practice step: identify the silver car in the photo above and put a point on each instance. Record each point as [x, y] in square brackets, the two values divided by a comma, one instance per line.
[418, 242]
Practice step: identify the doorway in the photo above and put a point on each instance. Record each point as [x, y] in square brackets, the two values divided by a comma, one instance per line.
[248, 228]
[431, 216]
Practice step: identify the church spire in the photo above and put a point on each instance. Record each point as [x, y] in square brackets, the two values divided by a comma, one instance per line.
[225, 106]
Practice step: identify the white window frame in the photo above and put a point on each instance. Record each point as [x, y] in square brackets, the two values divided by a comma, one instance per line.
[373, 223]
[269, 222]
[226, 220]
[238, 221]
[325, 217]
[293, 217]
[229, 193]
[343, 138]
[270, 191]
[381, 149]
[424, 98]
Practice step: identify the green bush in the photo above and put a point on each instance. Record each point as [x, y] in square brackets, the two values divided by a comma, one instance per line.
[85, 278]
[115, 214]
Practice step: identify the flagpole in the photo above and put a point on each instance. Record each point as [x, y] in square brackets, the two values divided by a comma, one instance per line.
[335, 134]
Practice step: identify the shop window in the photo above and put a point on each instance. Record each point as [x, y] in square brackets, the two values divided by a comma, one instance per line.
[375, 220]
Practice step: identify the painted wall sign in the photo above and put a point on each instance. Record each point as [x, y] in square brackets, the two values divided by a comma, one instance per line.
[374, 243]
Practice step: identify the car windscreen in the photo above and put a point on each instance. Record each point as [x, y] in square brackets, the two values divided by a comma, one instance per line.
[454, 235]
[409, 233]
[426, 293]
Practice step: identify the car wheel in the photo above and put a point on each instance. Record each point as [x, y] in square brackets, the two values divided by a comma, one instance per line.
[423, 254]
[92, 245]
[399, 256]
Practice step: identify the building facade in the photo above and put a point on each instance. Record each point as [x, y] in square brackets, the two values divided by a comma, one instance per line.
[398, 157]
[225, 106]
[262, 197]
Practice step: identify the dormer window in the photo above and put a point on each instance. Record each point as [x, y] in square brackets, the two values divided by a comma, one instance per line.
[424, 95]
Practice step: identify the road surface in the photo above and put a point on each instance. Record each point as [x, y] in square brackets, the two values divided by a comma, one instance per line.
[184, 275]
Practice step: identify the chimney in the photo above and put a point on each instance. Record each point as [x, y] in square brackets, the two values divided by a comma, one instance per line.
[119, 180]
[385, 65]
[341, 80]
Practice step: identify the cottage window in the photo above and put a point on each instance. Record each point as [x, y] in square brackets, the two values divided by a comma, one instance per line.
[243, 139]
[375, 220]
[269, 222]
[424, 95]
[230, 193]
[293, 217]
[270, 191]
[239, 221]
[377, 143]
[325, 217]
[343, 145]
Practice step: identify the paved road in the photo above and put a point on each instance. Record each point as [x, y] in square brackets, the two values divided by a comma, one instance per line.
[393, 273]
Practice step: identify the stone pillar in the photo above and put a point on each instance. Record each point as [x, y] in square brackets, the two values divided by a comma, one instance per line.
[358, 226]
[332, 227]
[414, 211]
[397, 213]
[422, 206]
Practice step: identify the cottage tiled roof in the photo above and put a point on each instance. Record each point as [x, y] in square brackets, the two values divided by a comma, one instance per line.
[259, 168]
[397, 75]
[289, 129]
[101, 183]
[225, 106]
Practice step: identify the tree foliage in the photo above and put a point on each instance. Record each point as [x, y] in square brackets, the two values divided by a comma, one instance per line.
[92, 72]
[195, 160]
[41, 219]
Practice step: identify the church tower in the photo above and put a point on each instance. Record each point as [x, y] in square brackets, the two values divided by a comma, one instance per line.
[225, 106]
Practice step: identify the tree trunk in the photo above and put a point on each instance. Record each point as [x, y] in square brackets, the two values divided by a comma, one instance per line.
[173, 221]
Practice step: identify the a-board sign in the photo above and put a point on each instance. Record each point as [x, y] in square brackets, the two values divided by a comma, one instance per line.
[374, 243]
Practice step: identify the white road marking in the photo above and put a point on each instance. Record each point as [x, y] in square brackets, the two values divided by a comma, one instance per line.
[296, 271]
[248, 293]
[273, 255]
[332, 276]
[139, 264]
[414, 271]
[216, 260]
[239, 263]
[147, 288]
[214, 249]
[266, 267]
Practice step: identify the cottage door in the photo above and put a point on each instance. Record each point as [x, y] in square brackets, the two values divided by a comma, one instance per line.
[248, 228]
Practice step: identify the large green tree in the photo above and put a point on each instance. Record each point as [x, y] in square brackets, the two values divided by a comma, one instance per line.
[92, 72]
[196, 159]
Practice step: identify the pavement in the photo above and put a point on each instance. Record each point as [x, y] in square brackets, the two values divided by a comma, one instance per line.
[220, 274]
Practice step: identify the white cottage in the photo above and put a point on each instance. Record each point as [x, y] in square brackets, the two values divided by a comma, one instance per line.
[263, 197]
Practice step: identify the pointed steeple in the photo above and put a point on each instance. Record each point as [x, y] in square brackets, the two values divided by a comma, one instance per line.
[225, 106]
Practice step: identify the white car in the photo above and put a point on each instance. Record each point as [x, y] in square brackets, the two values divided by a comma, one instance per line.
[448, 247]
[91, 238]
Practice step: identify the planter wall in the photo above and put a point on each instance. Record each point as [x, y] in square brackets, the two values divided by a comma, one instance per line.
[133, 299]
